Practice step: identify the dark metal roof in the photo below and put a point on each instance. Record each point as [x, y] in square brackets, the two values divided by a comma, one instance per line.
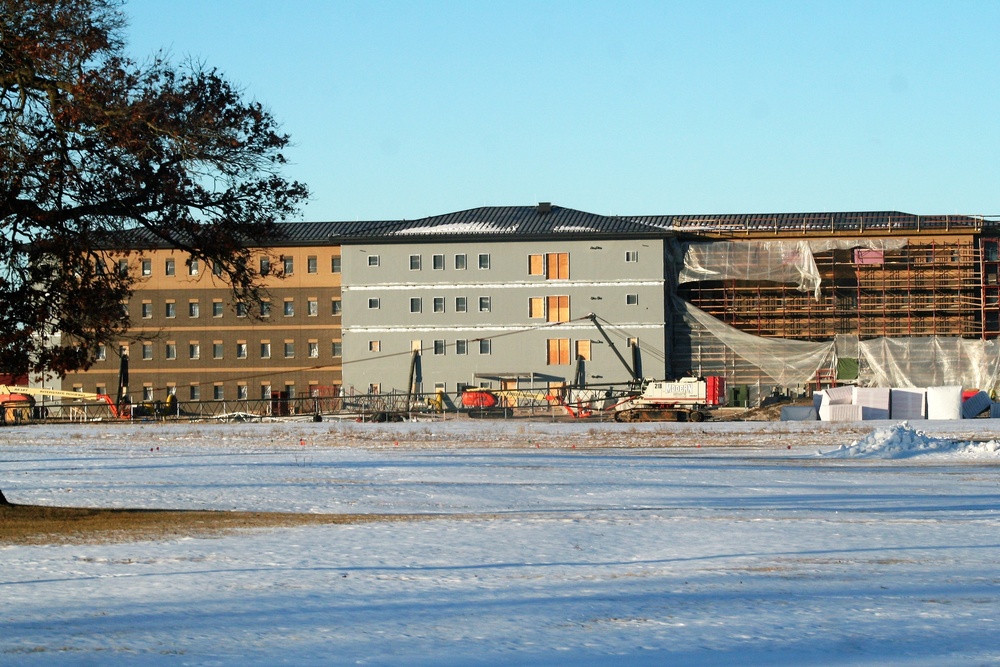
[485, 222]
[813, 222]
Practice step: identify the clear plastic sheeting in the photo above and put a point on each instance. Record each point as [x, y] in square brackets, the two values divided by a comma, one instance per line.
[931, 361]
[784, 362]
[823, 245]
[776, 261]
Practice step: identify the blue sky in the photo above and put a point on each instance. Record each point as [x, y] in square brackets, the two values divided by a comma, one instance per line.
[408, 109]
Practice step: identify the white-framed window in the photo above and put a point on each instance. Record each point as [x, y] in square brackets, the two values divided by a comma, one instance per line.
[241, 350]
[416, 305]
[147, 267]
[241, 309]
[484, 260]
[461, 304]
[461, 261]
[439, 304]
[123, 267]
[414, 262]
[631, 255]
[288, 264]
[216, 269]
[192, 267]
[218, 392]
[147, 393]
[147, 351]
[439, 347]
[170, 309]
[170, 351]
[485, 304]
[147, 310]
[265, 265]
[169, 267]
[195, 392]
[311, 265]
[102, 354]
[265, 309]
[373, 260]
[335, 264]
[485, 346]
[313, 349]
[336, 348]
[194, 351]
[265, 350]
[194, 309]
[336, 307]
[289, 308]
[312, 307]
[631, 299]
[437, 262]
[218, 309]
[217, 350]
[373, 304]
[289, 349]
[241, 392]
[461, 346]
[265, 392]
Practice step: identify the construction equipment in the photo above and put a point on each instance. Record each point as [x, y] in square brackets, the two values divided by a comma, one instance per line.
[682, 400]
[17, 403]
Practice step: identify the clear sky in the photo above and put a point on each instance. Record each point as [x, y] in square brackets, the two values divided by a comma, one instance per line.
[409, 109]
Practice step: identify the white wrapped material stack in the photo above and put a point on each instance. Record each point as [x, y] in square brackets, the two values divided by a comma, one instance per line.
[839, 395]
[975, 405]
[798, 413]
[944, 402]
[908, 403]
[839, 412]
[874, 401]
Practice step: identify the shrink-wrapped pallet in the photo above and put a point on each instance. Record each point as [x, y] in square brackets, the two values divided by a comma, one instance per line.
[944, 402]
[839, 395]
[874, 402]
[908, 403]
[838, 412]
[798, 413]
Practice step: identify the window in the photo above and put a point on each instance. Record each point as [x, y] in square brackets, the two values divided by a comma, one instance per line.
[583, 350]
[102, 354]
[439, 347]
[337, 348]
[217, 309]
[557, 266]
[288, 264]
[265, 350]
[147, 267]
[414, 262]
[484, 304]
[631, 255]
[312, 307]
[265, 265]
[217, 269]
[484, 261]
[170, 352]
[460, 262]
[195, 392]
[311, 265]
[557, 309]
[485, 346]
[169, 268]
[217, 350]
[461, 347]
[374, 346]
[289, 349]
[558, 351]
[415, 304]
[373, 260]
[241, 350]
[265, 392]
[437, 262]
[147, 351]
[313, 349]
[631, 299]
[373, 304]
[170, 309]
[123, 267]
[265, 309]
[241, 392]
[536, 307]
[461, 304]
[194, 351]
[241, 309]
[193, 309]
[335, 307]
[218, 392]
[147, 310]
[192, 267]
[439, 304]
[289, 308]
[147, 393]
[335, 265]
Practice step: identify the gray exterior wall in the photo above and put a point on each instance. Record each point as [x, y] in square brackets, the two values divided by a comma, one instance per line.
[600, 281]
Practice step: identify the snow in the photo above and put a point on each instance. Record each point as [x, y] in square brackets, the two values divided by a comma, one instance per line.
[546, 544]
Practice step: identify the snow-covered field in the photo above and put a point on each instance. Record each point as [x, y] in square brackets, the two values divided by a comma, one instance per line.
[568, 544]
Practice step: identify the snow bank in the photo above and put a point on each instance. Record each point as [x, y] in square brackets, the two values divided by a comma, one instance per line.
[903, 441]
